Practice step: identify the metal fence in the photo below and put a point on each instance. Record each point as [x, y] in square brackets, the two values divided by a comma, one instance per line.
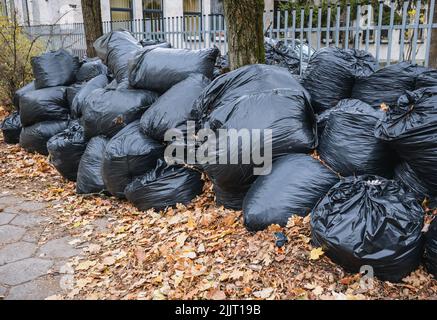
[391, 32]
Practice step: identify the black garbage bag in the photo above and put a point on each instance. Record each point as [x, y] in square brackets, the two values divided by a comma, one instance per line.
[410, 129]
[154, 42]
[54, 69]
[11, 128]
[238, 100]
[128, 155]
[409, 179]
[370, 221]
[348, 144]
[91, 69]
[165, 186]
[106, 111]
[290, 117]
[89, 174]
[426, 79]
[221, 65]
[104, 44]
[243, 81]
[331, 74]
[431, 249]
[78, 103]
[279, 54]
[294, 187]
[72, 91]
[21, 92]
[116, 49]
[322, 120]
[160, 69]
[386, 85]
[173, 108]
[44, 105]
[66, 150]
[34, 138]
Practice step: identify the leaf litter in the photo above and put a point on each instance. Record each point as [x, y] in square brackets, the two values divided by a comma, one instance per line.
[199, 251]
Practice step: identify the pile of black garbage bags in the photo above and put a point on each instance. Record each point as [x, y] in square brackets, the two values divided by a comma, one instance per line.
[352, 145]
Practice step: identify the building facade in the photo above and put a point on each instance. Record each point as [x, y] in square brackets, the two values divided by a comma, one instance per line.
[42, 12]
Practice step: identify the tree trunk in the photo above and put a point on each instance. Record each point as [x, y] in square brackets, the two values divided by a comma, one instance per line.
[244, 20]
[92, 18]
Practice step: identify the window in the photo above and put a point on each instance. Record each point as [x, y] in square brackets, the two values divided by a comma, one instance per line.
[153, 13]
[193, 18]
[217, 20]
[121, 14]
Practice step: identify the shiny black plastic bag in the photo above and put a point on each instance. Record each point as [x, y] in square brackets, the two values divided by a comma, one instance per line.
[91, 69]
[11, 128]
[426, 79]
[66, 150]
[281, 55]
[54, 69]
[286, 112]
[35, 138]
[387, 84]
[21, 92]
[221, 66]
[116, 49]
[173, 108]
[322, 120]
[165, 186]
[431, 249]
[410, 129]
[294, 187]
[154, 42]
[128, 155]
[78, 103]
[405, 175]
[331, 74]
[254, 97]
[160, 69]
[44, 105]
[89, 174]
[106, 112]
[348, 144]
[370, 221]
[72, 91]
[243, 81]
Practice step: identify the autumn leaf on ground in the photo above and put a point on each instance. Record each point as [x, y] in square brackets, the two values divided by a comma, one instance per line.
[216, 294]
[316, 254]
[86, 265]
[263, 294]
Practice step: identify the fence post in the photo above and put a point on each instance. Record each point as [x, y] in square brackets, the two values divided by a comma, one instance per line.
[429, 33]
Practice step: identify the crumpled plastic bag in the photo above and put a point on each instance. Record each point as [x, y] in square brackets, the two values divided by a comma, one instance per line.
[165, 186]
[54, 69]
[44, 105]
[128, 155]
[89, 174]
[331, 74]
[369, 220]
[159, 69]
[66, 150]
[294, 187]
[34, 138]
[348, 144]
[11, 127]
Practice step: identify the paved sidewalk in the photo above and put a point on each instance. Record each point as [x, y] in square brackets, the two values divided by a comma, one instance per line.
[33, 256]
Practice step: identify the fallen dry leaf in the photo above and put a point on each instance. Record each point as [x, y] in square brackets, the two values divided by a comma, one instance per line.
[316, 253]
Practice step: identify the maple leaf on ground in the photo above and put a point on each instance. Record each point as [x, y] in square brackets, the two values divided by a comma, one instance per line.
[316, 254]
